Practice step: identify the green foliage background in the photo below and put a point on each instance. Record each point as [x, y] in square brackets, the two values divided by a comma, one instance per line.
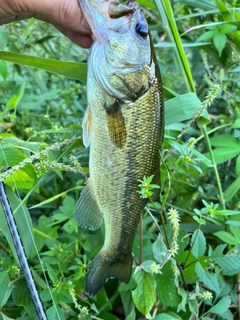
[187, 269]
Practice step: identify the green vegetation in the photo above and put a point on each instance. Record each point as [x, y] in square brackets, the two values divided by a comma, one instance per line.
[187, 249]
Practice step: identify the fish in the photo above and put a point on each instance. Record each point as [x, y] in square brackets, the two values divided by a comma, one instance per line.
[123, 125]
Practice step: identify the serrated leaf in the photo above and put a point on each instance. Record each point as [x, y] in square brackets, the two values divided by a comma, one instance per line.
[198, 244]
[159, 249]
[193, 305]
[169, 297]
[229, 264]
[21, 297]
[6, 288]
[70, 225]
[24, 178]
[226, 237]
[52, 274]
[182, 304]
[221, 307]
[219, 41]
[144, 294]
[206, 278]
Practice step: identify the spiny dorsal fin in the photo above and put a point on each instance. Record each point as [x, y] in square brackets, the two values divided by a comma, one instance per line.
[87, 127]
[87, 212]
[116, 124]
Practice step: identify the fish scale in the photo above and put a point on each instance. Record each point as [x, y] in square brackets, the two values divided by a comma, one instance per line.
[123, 125]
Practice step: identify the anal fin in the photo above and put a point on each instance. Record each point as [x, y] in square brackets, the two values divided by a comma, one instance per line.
[87, 212]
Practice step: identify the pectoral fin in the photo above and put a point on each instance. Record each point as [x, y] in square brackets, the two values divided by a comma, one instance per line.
[87, 127]
[87, 212]
[116, 124]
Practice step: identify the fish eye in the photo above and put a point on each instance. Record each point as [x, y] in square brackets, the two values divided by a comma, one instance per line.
[142, 30]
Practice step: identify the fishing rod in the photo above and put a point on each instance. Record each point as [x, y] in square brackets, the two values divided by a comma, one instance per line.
[20, 251]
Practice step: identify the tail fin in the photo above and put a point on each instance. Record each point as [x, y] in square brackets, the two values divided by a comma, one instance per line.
[104, 267]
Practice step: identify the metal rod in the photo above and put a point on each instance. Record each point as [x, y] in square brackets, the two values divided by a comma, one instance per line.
[21, 254]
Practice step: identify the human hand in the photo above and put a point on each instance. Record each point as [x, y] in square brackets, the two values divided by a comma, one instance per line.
[65, 15]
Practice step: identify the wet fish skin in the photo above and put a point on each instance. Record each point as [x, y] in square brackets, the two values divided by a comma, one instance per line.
[124, 126]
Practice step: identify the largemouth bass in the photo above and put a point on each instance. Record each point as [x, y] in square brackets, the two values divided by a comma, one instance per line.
[123, 124]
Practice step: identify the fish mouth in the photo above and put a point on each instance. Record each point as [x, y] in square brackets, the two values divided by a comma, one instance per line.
[103, 16]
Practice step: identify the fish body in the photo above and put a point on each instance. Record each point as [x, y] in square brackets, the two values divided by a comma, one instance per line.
[123, 125]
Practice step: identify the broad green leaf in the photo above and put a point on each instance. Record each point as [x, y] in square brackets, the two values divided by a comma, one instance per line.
[55, 313]
[181, 108]
[3, 69]
[73, 70]
[21, 297]
[219, 41]
[225, 140]
[233, 223]
[5, 317]
[236, 124]
[184, 296]
[14, 101]
[238, 166]
[159, 249]
[23, 222]
[193, 305]
[168, 296]
[227, 28]
[207, 279]
[198, 243]
[51, 273]
[226, 212]
[222, 155]
[221, 307]
[206, 36]
[132, 315]
[166, 316]
[144, 294]
[24, 178]
[6, 288]
[129, 308]
[226, 237]
[232, 190]
[4, 38]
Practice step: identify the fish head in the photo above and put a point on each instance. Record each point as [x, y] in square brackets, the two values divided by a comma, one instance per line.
[121, 53]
